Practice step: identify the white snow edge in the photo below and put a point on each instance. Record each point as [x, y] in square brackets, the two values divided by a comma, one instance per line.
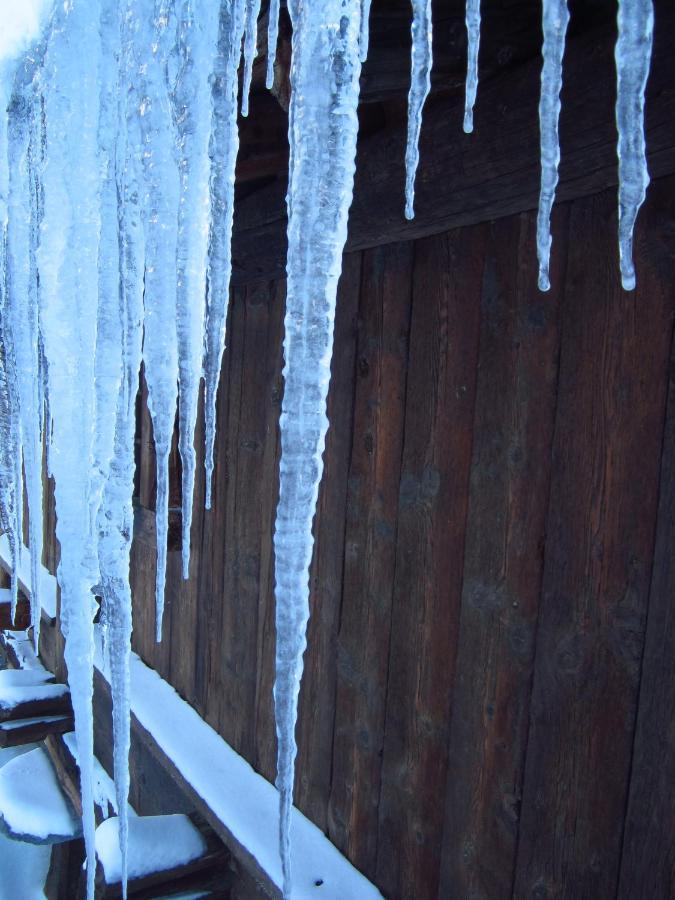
[47, 580]
[245, 802]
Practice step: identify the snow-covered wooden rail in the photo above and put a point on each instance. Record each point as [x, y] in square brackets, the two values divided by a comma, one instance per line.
[240, 805]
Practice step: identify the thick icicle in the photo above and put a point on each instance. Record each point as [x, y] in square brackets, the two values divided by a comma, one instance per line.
[10, 438]
[115, 521]
[161, 193]
[473, 40]
[420, 84]
[197, 42]
[223, 151]
[23, 314]
[555, 18]
[250, 50]
[272, 36]
[323, 127]
[68, 265]
[633, 54]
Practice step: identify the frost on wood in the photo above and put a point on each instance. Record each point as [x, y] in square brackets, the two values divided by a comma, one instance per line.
[323, 126]
[473, 41]
[420, 84]
[555, 19]
[633, 54]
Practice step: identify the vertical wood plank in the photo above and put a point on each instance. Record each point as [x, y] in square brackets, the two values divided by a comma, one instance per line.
[600, 534]
[432, 506]
[648, 859]
[369, 545]
[505, 534]
[316, 719]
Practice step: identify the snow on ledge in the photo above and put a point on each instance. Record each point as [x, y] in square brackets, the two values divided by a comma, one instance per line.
[245, 802]
[156, 843]
[47, 580]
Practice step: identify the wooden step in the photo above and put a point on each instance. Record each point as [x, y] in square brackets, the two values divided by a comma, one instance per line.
[22, 620]
[29, 697]
[16, 732]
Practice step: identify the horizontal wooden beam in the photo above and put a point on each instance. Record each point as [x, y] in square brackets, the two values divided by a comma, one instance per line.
[465, 179]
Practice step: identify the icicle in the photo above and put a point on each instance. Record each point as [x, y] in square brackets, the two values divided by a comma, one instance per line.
[68, 264]
[10, 446]
[197, 42]
[633, 54]
[364, 36]
[555, 19]
[223, 151]
[272, 37]
[323, 127]
[420, 84]
[473, 41]
[23, 317]
[161, 190]
[250, 50]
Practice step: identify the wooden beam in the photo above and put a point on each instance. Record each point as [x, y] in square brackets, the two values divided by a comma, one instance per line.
[465, 179]
[31, 731]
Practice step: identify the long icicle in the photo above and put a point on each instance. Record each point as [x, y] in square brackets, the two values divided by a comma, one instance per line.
[224, 147]
[323, 127]
[272, 37]
[68, 265]
[197, 41]
[250, 50]
[420, 85]
[632, 54]
[472, 19]
[555, 19]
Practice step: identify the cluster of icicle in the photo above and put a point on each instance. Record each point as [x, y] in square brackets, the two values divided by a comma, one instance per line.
[118, 143]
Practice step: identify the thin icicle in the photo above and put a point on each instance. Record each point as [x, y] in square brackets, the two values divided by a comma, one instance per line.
[555, 18]
[68, 265]
[420, 84]
[272, 37]
[633, 55]
[250, 50]
[197, 43]
[473, 41]
[323, 127]
[364, 36]
[223, 151]
[23, 315]
[161, 194]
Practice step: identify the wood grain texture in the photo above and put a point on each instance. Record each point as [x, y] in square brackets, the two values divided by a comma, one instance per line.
[432, 504]
[505, 537]
[599, 547]
[369, 550]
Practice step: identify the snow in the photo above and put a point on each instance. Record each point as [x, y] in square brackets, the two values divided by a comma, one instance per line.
[32, 805]
[47, 580]
[473, 42]
[633, 54]
[104, 787]
[555, 19]
[156, 843]
[237, 796]
[420, 84]
[13, 695]
[23, 867]
[10, 678]
[15, 724]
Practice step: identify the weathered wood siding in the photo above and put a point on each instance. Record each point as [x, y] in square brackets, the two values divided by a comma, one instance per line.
[488, 706]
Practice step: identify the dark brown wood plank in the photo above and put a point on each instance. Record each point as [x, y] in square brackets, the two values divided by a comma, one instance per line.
[648, 859]
[492, 173]
[316, 720]
[432, 504]
[33, 731]
[600, 536]
[369, 550]
[503, 562]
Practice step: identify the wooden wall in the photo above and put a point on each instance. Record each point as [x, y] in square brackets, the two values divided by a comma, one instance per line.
[488, 707]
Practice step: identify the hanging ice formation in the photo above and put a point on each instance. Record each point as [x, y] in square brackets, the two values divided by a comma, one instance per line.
[555, 18]
[633, 55]
[118, 143]
[323, 126]
[420, 84]
[473, 40]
